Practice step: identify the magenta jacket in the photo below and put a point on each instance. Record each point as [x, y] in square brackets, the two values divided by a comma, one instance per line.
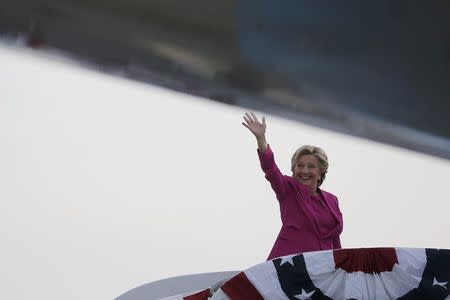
[300, 230]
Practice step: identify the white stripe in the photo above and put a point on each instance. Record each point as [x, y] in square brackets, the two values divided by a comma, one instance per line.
[319, 262]
[412, 260]
[407, 274]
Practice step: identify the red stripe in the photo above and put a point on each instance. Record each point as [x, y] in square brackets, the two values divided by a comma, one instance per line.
[240, 288]
[203, 295]
[367, 260]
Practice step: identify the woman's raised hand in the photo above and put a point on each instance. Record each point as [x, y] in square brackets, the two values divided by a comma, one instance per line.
[253, 124]
[257, 128]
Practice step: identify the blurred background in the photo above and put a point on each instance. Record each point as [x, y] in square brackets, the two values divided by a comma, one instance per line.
[123, 160]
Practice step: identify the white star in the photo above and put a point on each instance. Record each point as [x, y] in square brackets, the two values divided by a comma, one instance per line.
[443, 284]
[304, 295]
[287, 259]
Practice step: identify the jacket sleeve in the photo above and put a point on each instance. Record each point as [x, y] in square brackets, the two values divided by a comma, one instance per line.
[337, 239]
[272, 173]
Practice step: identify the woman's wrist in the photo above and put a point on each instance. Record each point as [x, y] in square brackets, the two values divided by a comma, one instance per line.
[262, 144]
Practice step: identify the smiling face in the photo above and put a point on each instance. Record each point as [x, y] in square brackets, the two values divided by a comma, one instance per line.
[307, 171]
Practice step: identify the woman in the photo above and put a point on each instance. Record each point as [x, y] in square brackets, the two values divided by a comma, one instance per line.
[311, 219]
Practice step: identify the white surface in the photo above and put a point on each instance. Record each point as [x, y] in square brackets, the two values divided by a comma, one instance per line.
[177, 287]
[108, 184]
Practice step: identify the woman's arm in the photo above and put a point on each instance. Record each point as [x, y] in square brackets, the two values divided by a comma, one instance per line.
[266, 158]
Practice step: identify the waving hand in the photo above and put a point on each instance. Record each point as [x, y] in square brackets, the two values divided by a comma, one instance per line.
[257, 128]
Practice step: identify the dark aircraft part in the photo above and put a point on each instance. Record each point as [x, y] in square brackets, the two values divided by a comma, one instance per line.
[379, 70]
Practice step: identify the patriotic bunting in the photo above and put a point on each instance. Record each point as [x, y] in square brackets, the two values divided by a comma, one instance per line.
[366, 273]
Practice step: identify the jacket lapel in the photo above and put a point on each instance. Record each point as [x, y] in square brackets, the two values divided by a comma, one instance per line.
[302, 201]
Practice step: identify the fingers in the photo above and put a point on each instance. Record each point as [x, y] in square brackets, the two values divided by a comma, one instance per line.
[254, 117]
[252, 123]
[245, 125]
[247, 120]
[251, 118]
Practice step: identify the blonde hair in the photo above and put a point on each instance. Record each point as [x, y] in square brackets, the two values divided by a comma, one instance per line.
[317, 152]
